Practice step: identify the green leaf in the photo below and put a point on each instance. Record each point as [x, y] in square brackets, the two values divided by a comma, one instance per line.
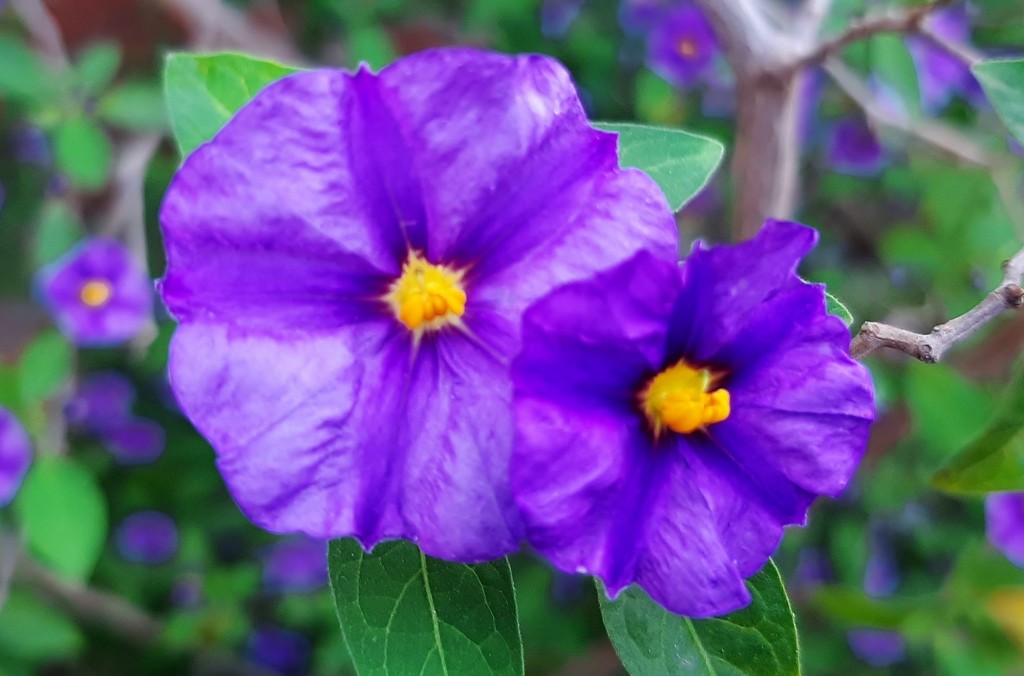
[83, 152]
[370, 44]
[63, 516]
[891, 61]
[947, 409]
[203, 92]
[835, 307]
[404, 613]
[33, 631]
[994, 461]
[854, 608]
[45, 366]
[97, 67]
[22, 74]
[680, 162]
[1003, 82]
[134, 105]
[58, 231]
[759, 640]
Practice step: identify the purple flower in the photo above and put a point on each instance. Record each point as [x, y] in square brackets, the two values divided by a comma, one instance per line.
[877, 647]
[682, 47]
[556, 16]
[102, 401]
[147, 537]
[137, 441]
[881, 575]
[15, 455]
[1004, 524]
[671, 420]
[349, 259]
[284, 651]
[639, 16]
[940, 74]
[97, 293]
[31, 146]
[296, 564]
[854, 149]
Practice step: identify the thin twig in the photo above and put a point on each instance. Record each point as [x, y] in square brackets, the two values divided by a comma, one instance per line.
[934, 133]
[904, 21]
[931, 347]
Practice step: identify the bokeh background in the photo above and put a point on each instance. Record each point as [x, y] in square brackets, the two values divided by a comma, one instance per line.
[166, 575]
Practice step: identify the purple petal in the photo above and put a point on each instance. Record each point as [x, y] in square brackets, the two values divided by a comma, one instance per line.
[854, 149]
[877, 647]
[121, 317]
[1004, 524]
[295, 565]
[281, 650]
[101, 401]
[136, 441]
[147, 537]
[15, 455]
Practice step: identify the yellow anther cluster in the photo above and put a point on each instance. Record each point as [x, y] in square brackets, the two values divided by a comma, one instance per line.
[96, 292]
[687, 48]
[427, 296]
[678, 399]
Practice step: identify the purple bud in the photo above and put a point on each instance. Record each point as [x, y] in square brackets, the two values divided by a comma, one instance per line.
[296, 564]
[854, 149]
[279, 649]
[877, 647]
[147, 537]
[135, 442]
[102, 401]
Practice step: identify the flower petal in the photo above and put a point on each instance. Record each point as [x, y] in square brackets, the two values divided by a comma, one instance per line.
[15, 455]
[375, 443]
[1004, 524]
[298, 213]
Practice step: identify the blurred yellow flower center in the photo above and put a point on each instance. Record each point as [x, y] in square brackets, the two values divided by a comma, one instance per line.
[687, 48]
[678, 399]
[96, 292]
[427, 296]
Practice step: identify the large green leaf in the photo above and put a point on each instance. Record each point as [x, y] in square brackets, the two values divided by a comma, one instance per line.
[404, 613]
[22, 74]
[83, 152]
[45, 366]
[33, 631]
[994, 461]
[203, 92]
[680, 162]
[63, 516]
[1003, 82]
[759, 640]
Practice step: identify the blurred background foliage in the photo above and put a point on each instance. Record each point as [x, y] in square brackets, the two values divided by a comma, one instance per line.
[895, 576]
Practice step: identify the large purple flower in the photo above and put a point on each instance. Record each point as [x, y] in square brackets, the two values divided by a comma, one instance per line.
[1004, 524]
[97, 293]
[349, 259]
[671, 420]
[15, 455]
[682, 48]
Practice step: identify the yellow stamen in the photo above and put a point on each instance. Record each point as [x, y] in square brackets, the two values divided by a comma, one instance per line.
[687, 48]
[678, 399]
[427, 296]
[96, 292]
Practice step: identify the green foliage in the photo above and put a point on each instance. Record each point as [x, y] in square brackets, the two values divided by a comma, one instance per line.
[203, 92]
[402, 612]
[45, 367]
[32, 631]
[1003, 82]
[63, 516]
[58, 232]
[83, 152]
[134, 105]
[97, 66]
[835, 307]
[759, 640]
[994, 461]
[680, 162]
[947, 409]
[370, 44]
[22, 75]
[892, 62]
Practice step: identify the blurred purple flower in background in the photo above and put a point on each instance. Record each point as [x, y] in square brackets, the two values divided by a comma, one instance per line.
[31, 146]
[348, 261]
[941, 75]
[15, 455]
[296, 564]
[854, 149]
[137, 441]
[556, 16]
[881, 575]
[682, 47]
[282, 650]
[102, 400]
[877, 647]
[704, 203]
[1004, 524]
[147, 537]
[640, 16]
[668, 447]
[97, 293]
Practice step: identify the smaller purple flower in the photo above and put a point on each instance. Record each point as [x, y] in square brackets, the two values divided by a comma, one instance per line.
[102, 401]
[1004, 524]
[812, 567]
[135, 442]
[296, 564]
[31, 146]
[881, 577]
[556, 16]
[940, 74]
[683, 47]
[877, 647]
[640, 16]
[15, 455]
[854, 149]
[282, 650]
[147, 537]
[97, 293]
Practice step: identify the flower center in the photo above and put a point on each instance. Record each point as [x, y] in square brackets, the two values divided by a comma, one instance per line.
[96, 292]
[678, 399]
[687, 48]
[427, 296]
